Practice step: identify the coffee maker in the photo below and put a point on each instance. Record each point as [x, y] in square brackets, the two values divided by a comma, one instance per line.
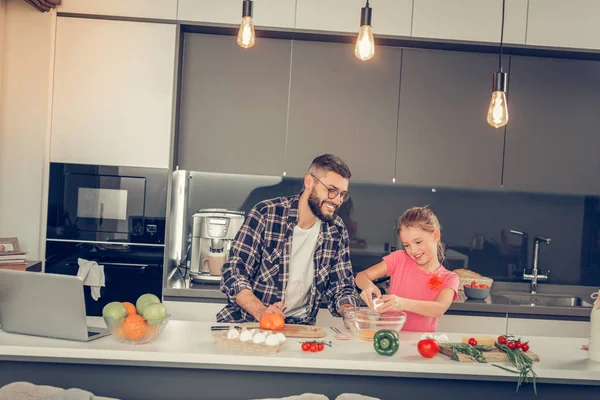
[212, 233]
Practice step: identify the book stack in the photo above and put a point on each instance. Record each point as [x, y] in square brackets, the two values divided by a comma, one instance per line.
[13, 260]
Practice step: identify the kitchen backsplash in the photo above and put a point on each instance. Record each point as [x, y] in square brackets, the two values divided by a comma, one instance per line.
[476, 224]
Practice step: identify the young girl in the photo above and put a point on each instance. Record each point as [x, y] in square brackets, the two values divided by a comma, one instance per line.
[419, 284]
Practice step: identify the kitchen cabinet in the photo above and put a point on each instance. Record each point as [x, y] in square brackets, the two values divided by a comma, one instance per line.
[113, 92]
[344, 106]
[552, 141]
[443, 136]
[470, 20]
[390, 17]
[267, 13]
[559, 23]
[158, 9]
[233, 105]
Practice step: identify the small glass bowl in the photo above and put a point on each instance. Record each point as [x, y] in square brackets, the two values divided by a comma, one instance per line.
[364, 323]
[139, 334]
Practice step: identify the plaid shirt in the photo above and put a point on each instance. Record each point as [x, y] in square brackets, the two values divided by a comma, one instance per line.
[260, 256]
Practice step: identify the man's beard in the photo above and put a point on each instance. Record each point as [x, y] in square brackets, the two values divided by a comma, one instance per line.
[315, 204]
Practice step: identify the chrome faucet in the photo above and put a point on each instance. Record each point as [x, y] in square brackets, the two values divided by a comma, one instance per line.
[534, 277]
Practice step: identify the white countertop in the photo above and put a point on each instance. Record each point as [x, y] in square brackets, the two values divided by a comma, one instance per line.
[190, 344]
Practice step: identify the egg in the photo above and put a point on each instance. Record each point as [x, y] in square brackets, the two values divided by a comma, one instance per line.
[272, 340]
[258, 338]
[281, 337]
[233, 333]
[377, 303]
[245, 336]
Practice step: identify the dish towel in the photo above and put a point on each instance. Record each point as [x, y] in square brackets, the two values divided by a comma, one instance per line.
[92, 275]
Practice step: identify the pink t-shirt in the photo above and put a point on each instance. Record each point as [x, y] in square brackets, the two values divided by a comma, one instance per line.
[409, 281]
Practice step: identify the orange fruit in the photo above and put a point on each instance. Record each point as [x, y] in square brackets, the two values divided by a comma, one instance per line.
[272, 322]
[130, 308]
[135, 327]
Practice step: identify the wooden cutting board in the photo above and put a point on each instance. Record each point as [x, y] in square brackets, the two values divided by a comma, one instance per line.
[295, 331]
[490, 356]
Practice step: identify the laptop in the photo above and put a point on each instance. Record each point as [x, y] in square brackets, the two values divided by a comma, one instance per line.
[41, 304]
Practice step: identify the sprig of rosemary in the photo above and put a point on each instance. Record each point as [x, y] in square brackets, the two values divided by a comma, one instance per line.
[472, 351]
[522, 363]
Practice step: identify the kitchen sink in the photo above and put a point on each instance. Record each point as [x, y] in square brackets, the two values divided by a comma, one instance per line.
[547, 300]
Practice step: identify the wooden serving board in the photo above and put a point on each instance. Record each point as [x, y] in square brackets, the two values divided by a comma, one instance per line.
[492, 356]
[295, 331]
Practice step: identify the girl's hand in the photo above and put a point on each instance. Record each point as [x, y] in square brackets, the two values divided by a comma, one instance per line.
[367, 295]
[391, 302]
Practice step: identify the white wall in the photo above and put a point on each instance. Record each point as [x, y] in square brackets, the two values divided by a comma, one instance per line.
[25, 91]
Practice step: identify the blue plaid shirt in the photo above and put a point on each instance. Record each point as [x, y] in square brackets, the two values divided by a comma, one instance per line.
[260, 256]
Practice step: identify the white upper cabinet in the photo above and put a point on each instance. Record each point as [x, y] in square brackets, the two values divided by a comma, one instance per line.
[562, 23]
[470, 20]
[267, 13]
[390, 17]
[159, 9]
[113, 92]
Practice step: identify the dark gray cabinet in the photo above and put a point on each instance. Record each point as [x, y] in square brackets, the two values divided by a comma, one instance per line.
[553, 134]
[344, 106]
[233, 105]
[443, 136]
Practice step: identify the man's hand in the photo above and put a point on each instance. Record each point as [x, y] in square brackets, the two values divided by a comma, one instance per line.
[274, 309]
[43, 5]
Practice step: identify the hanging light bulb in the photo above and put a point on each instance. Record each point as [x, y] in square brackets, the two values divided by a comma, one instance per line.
[246, 37]
[365, 44]
[497, 115]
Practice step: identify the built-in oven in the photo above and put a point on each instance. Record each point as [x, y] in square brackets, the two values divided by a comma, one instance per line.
[114, 216]
[107, 203]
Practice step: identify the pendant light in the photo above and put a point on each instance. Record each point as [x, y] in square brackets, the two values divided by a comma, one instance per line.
[365, 44]
[497, 115]
[246, 37]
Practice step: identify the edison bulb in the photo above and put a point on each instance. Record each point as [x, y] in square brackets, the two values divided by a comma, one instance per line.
[497, 115]
[246, 37]
[365, 44]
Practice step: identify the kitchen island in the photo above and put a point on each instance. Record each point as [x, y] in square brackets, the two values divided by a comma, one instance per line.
[184, 362]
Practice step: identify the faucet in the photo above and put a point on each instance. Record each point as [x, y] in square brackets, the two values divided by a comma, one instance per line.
[534, 277]
[523, 257]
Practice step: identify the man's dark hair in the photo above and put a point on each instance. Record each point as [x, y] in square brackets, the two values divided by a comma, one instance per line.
[329, 162]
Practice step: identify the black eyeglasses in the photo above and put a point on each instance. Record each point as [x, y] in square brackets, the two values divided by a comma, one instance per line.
[333, 192]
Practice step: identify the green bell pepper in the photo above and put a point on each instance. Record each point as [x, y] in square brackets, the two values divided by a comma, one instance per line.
[386, 342]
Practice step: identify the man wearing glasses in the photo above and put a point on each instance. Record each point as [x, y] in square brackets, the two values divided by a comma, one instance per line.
[292, 251]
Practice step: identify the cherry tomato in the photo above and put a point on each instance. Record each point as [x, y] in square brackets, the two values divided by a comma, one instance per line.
[473, 342]
[320, 347]
[428, 347]
[502, 340]
[525, 347]
[511, 345]
[474, 285]
[313, 348]
[518, 345]
[305, 346]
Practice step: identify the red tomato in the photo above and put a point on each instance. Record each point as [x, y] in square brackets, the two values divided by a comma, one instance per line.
[518, 345]
[313, 348]
[474, 285]
[305, 346]
[511, 345]
[525, 347]
[473, 342]
[320, 347]
[502, 340]
[428, 348]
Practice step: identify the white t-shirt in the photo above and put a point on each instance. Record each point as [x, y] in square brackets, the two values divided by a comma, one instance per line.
[301, 269]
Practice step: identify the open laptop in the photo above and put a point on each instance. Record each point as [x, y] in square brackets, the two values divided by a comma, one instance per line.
[40, 304]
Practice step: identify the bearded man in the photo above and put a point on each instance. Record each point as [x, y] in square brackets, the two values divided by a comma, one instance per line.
[292, 251]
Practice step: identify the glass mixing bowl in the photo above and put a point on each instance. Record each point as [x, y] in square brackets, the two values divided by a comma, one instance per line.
[363, 322]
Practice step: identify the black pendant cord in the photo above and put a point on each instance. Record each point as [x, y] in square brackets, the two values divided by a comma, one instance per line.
[501, 34]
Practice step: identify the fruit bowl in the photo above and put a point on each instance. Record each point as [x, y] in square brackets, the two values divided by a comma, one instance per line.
[477, 293]
[364, 323]
[135, 330]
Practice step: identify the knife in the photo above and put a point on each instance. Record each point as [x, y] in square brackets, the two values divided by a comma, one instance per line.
[223, 327]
